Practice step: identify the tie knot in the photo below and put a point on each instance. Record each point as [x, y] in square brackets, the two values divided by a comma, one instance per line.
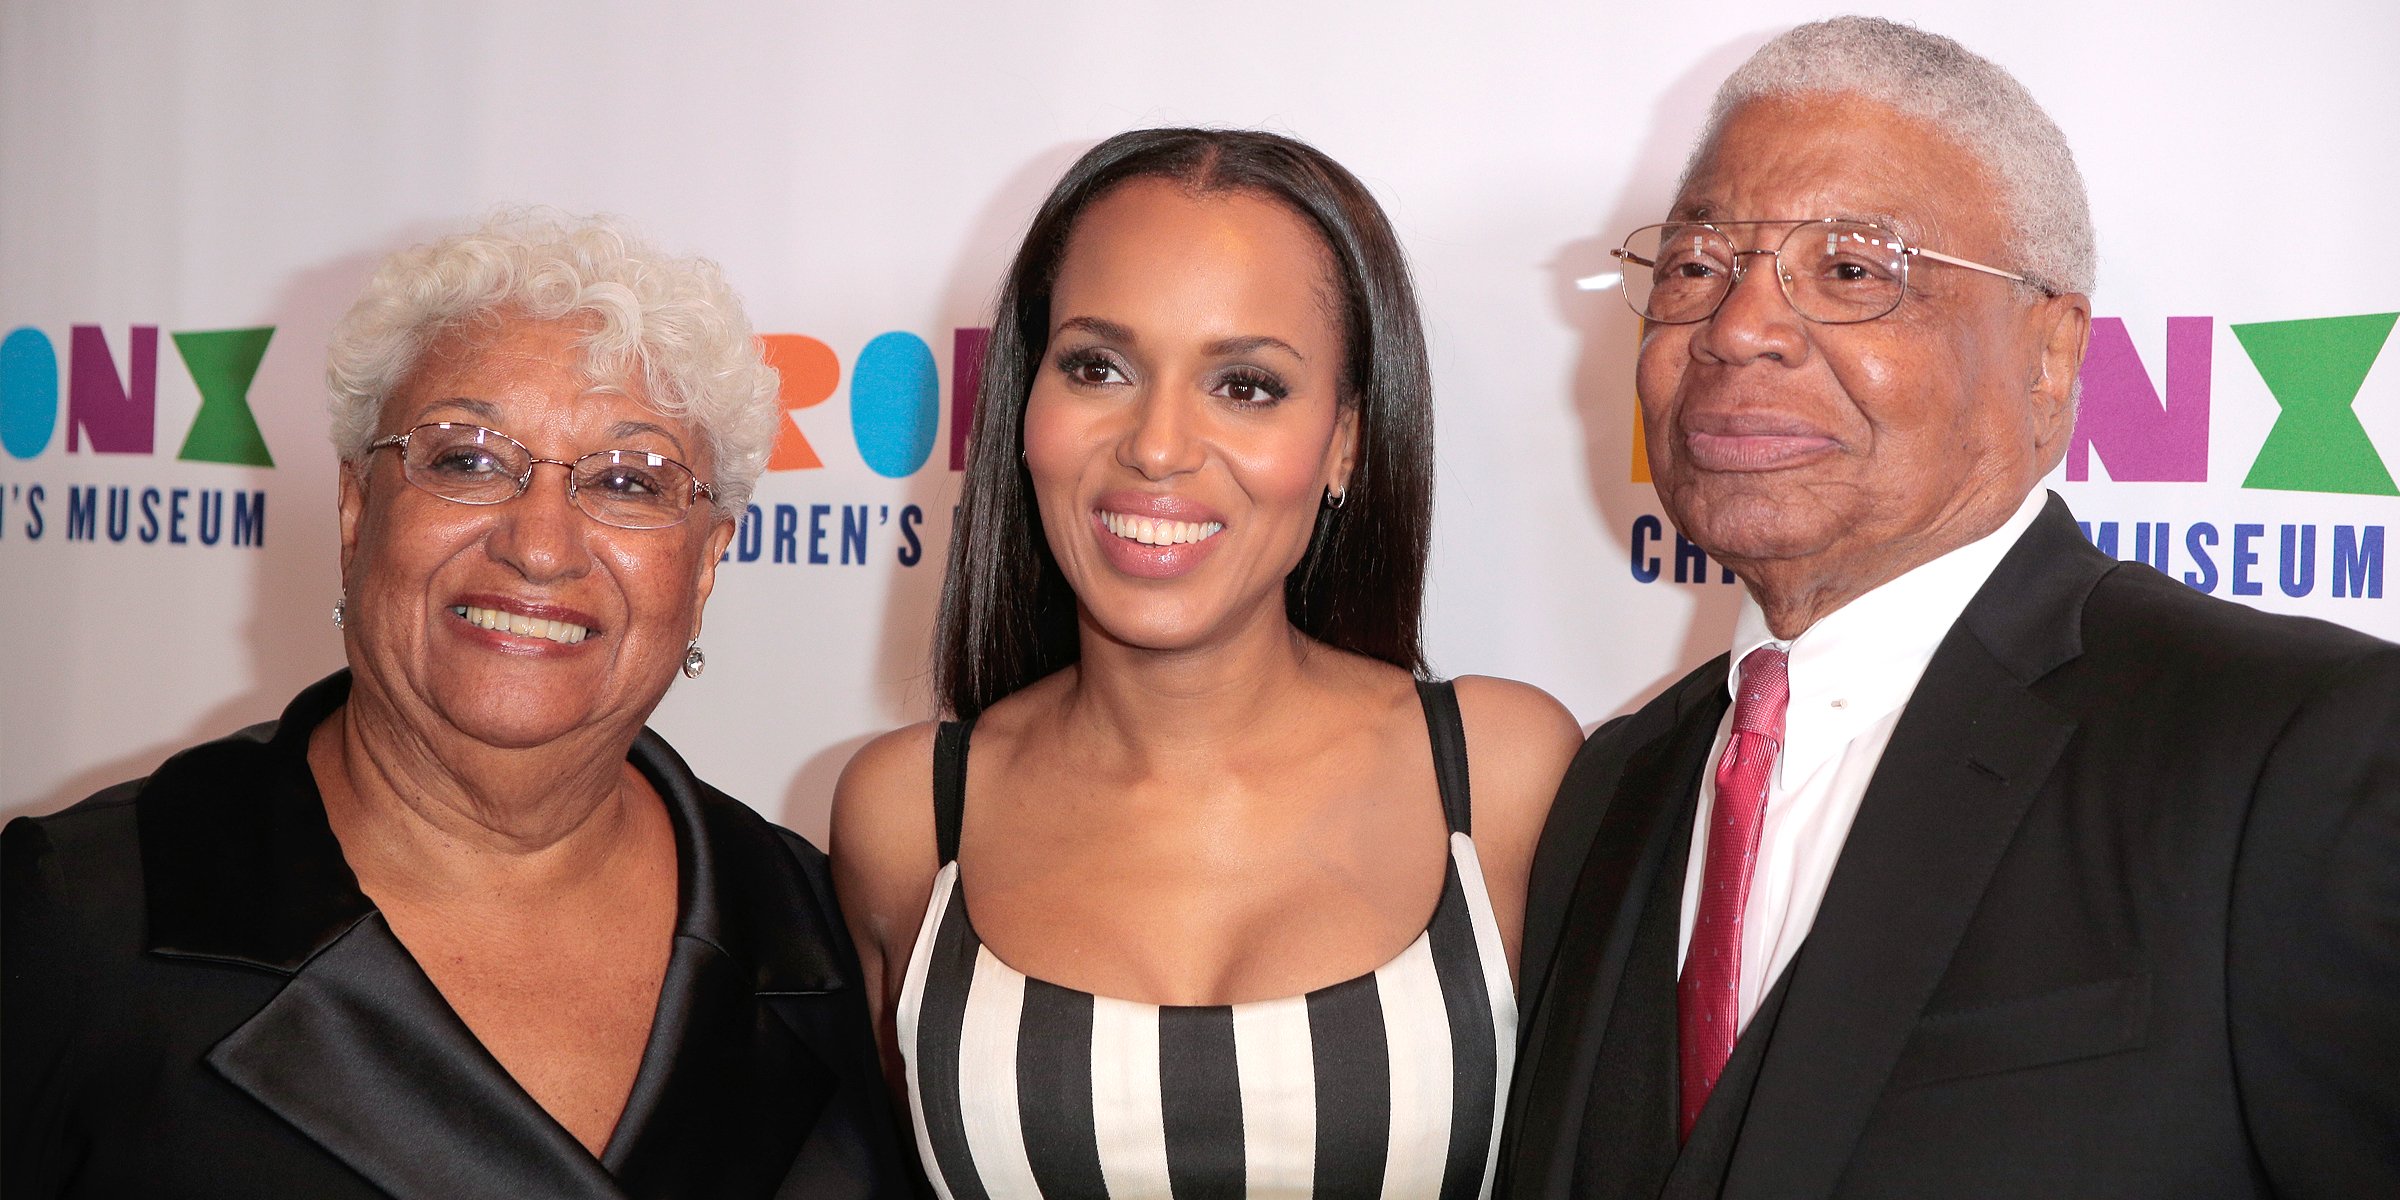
[1765, 690]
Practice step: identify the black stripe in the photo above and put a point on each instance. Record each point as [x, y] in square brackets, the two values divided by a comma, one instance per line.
[941, 1025]
[1474, 1061]
[1347, 1043]
[1200, 1093]
[950, 785]
[1054, 1092]
[1448, 732]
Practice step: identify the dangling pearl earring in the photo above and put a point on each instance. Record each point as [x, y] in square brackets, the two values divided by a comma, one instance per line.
[340, 601]
[694, 662]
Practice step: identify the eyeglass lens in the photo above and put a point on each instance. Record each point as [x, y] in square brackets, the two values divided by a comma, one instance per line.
[632, 489]
[1833, 272]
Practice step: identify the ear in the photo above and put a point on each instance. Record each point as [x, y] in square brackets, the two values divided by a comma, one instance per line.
[350, 503]
[720, 535]
[1342, 455]
[2063, 324]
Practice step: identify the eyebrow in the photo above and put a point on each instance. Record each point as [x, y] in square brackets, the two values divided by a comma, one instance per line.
[626, 429]
[1706, 212]
[487, 411]
[1108, 330]
[1227, 347]
[1105, 330]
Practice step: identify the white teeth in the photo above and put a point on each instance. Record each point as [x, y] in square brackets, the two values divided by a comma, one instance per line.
[1151, 531]
[521, 625]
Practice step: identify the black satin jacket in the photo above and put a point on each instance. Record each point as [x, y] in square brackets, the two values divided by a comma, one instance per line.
[199, 1002]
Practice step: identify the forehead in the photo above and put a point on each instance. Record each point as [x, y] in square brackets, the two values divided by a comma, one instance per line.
[529, 379]
[1844, 156]
[1151, 236]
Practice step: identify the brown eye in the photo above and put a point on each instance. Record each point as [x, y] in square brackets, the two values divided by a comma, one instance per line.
[1090, 368]
[1251, 388]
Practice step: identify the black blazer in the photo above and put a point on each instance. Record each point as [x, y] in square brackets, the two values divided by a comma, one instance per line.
[2119, 916]
[200, 1002]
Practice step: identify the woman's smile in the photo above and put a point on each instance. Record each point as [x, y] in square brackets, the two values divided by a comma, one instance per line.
[512, 623]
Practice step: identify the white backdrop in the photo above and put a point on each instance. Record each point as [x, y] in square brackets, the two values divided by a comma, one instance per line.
[864, 169]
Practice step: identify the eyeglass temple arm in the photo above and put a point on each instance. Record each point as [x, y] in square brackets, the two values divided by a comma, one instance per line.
[1609, 279]
[1968, 263]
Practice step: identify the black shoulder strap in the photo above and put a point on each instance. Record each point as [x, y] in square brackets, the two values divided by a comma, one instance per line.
[1449, 750]
[950, 785]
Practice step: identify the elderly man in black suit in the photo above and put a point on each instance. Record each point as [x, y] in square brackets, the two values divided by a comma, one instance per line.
[1984, 864]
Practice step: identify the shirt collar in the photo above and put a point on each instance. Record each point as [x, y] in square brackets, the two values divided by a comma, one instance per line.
[1858, 664]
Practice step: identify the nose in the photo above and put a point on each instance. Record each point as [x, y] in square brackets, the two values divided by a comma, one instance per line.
[540, 534]
[1162, 440]
[1755, 320]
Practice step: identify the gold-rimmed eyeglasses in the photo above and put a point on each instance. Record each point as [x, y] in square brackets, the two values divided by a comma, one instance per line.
[468, 464]
[1833, 271]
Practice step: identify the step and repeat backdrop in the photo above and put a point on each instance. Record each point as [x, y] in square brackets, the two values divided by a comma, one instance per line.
[191, 194]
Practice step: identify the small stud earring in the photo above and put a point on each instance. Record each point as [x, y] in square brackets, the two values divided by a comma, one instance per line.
[1335, 498]
[341, 600]
[694, 662]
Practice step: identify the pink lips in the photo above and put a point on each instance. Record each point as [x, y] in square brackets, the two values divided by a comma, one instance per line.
[1743, 442]
[501, 639]
[1153, 562]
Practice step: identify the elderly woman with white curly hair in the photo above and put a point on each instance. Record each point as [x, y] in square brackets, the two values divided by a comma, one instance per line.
[457, 924]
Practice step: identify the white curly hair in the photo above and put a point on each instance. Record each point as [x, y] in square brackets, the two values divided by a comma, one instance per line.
[1966, 96]
[673, 321]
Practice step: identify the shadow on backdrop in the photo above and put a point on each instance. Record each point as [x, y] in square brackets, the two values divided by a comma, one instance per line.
[295, 573]
[1600, 386]
[904, 630]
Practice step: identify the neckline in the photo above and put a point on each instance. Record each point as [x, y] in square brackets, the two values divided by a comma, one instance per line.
[1453, 893]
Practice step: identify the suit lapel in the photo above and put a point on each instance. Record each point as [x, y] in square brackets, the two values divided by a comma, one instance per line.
[1639, 809]
[1972, 750]
[362, 1054]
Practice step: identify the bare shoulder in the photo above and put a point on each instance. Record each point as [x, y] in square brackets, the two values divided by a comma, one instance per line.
[882, 838]
[1519, 742]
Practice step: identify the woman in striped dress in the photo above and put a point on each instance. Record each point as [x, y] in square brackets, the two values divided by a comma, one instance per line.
[1239, 926]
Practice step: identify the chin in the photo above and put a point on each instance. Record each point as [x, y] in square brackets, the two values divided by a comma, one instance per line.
[513, 730]
[1755, 528]
[1157, 627]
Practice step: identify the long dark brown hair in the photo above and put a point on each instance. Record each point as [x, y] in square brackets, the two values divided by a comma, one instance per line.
[1008, 616]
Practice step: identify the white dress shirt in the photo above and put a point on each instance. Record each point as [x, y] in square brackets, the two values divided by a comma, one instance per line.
[1851, 675]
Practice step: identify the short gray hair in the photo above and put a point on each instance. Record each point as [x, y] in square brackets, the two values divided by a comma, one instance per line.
[1966, 96]
[674, 321]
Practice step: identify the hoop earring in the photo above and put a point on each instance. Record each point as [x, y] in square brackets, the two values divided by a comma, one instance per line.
[1335, 498]
[341, 600]
[694, 662]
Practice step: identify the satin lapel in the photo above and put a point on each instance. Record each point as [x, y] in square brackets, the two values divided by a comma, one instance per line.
[726, 1095]
[360, 1053]
[1658, 783]
[1966, 760]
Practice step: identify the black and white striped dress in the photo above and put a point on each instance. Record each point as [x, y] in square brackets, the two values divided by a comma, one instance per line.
[1384, 1085]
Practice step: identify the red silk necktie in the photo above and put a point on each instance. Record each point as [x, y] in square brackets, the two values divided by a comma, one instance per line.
[1708, 997]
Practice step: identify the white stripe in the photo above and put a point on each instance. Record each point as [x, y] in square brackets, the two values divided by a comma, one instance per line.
[1495, 981]
[1278, 1071]
[987, 1079]
[1416, 1024]
[1128, 1118]
[912, 999]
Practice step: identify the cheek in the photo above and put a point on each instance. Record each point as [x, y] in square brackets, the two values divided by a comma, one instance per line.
[1060, 444]
[1052, 436]
[1658, 365]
